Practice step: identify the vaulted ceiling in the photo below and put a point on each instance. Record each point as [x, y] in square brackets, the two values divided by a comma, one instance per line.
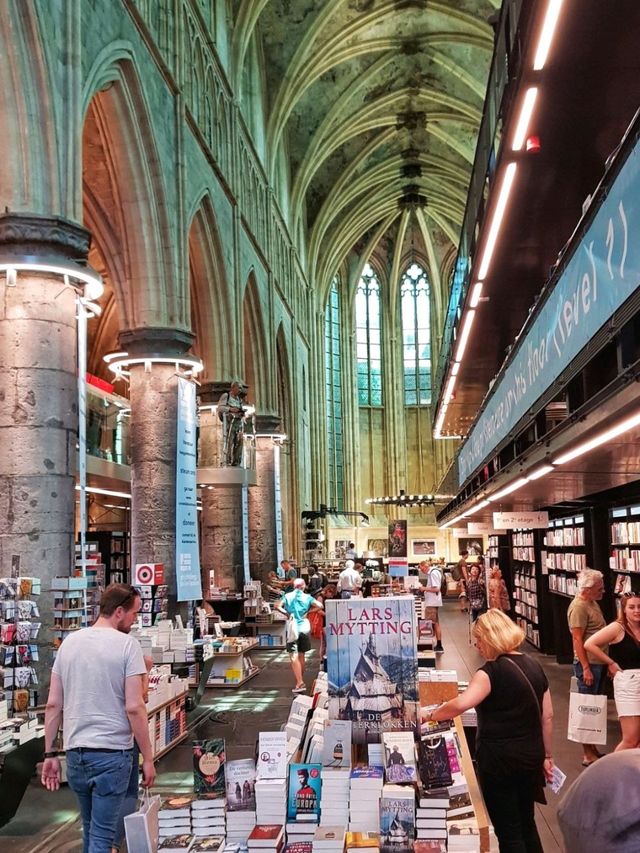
[376, 104]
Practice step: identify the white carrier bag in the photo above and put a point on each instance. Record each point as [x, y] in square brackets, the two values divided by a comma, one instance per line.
[141, 827]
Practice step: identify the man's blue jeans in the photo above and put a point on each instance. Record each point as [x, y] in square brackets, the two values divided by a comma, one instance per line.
[99, 779]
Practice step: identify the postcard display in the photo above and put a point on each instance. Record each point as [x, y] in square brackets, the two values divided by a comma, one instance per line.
[19, 627]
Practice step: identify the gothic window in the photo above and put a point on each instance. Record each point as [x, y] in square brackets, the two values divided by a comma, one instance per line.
[368, 344]
[416, 336]
[333, 380]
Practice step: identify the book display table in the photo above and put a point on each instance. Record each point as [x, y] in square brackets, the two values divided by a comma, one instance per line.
[16, 770]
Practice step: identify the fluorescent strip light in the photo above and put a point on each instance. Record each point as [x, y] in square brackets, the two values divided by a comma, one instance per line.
[97, 491]
[517, 484]
[525, 117]
[540, 472]
[585, 447]
[546, 36]
[475, 295]
[464, 334]
[483, 504]
[455, 367]
[450, 386]
[496, 220]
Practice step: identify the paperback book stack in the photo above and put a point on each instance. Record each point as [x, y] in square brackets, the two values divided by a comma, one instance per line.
[271, 784]
[329, 839]
[431, 815]
[336, 773]
[364, 799]
[296, 725]
[397, 818]
[241, 799]
[208, 816]
[214, 844]
[174, 819]
[176, 844]
[313, 743]
[303, 803]
[463, 833]
[358, 841]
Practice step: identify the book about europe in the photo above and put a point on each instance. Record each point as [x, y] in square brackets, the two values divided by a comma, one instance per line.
[372, 665]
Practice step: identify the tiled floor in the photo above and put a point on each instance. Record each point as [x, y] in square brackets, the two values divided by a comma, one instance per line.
[47, 823]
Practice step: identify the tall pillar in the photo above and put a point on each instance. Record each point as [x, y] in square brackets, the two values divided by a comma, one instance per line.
[153, 434]
[263, 551]
[221, 546]
[39, 409]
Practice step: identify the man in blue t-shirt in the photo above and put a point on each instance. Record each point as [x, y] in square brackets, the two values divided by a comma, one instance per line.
[296, 605]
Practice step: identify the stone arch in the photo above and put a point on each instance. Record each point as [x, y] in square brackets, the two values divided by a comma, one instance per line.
[122, 170]
[256, 355]
[211, 310]
[30, 171]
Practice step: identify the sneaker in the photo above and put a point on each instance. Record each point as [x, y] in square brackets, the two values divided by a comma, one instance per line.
[438, 648]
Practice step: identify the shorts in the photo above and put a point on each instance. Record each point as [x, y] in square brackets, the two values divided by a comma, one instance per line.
[432, 614]
[300, 646]
[598, 670]
[626, 692]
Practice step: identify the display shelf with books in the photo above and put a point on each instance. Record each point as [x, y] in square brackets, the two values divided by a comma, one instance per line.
[167, 723]
[565, 553]
[530, 589]
[115, 549]
[624, 559]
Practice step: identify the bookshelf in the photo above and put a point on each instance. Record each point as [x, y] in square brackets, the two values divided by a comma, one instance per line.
[167, 724]
[565, 553]
[530, 592]
[115, 549]
[624, 559]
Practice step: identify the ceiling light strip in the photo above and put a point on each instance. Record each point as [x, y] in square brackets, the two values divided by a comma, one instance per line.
[615, 431]
[547, 33]
[524, 118]
[464, 334]
[496, 221]
[476, 293]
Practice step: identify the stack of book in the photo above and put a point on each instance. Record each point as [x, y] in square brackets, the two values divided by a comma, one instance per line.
[214, 844]
[357, 841]
[241, 799]
[334, 803]
[174, 817]
[397, 818]
[266, 838]
[431, 815]
[463, 835]
[176, 844]
[208, 816]
[364, 798]
[303, 804]
[329, 839]
[271, 801]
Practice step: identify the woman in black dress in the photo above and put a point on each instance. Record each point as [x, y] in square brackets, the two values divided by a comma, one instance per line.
[513, 745]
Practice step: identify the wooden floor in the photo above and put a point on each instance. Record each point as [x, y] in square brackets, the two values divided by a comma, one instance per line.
[48, 823]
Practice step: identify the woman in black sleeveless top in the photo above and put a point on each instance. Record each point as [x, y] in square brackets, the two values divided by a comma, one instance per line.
[623, 663]
[513, 744]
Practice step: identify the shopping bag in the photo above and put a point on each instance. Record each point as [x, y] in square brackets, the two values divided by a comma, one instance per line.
[291, 630]
[141, 827]
[587, 718]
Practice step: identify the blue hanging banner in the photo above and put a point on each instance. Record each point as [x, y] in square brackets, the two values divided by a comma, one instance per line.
[188, 578]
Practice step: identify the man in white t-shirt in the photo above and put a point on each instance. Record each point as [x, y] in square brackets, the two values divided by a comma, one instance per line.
[433, 598]
[349, 580]
[97, 691]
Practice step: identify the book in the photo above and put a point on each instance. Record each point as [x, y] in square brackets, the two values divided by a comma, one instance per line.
[329, 838]
[433, 760]
[208, 803]
[372, 665]
[399, 757]
[299, 847]
[175, 807]
[362, 840]
[266, 835]
[176, 844]
[240, 778]
[336, 747]
[272, 755]
[304, 791]
[208, 766]
[213, 844]
[367, 774]
[430, 847]
[397, 819]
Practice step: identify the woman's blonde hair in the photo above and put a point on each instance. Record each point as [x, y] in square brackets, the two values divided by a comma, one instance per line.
[497, 634]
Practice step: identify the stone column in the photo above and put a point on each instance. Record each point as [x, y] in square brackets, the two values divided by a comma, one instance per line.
[153, 432]
[262, 513]
[39, 407]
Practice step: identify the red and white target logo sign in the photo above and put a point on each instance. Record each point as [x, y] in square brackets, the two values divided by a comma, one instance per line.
[148, 573]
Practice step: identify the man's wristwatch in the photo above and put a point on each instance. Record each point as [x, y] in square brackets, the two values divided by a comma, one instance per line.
[52, 754]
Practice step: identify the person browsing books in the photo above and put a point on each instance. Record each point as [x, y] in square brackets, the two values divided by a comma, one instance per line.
[432, 598]
[296, 605]
[623, 665]
[349, 580]
[97, 692]
[515, 724]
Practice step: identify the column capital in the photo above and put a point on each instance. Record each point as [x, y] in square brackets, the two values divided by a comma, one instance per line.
[34, 237]
[156, 341]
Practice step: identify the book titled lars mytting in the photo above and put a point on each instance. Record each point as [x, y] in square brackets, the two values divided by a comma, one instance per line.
[208, 766]
[304, 791]
[372, 665]
[240, 779]
[397, 819]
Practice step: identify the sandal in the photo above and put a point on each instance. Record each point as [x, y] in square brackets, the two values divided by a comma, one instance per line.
[301, 689]
[589, 763]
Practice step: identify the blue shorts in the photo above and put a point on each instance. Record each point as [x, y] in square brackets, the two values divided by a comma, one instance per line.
[598, 670]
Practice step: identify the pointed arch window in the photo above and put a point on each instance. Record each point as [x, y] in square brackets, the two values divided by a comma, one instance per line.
[333, 381]
[368, 342]
[416, 336]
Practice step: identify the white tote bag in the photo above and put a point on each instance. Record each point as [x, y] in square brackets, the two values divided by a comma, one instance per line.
[291, 630]
[141, 827]
[587, 718]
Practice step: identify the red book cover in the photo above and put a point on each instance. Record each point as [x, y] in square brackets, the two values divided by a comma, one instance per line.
[266, 832]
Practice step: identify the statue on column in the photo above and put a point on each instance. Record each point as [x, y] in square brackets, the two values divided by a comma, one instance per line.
[232, 413]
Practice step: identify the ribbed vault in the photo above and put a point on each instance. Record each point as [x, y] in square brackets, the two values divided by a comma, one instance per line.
[378, 103]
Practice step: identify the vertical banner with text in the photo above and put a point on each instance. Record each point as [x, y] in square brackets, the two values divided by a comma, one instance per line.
[188, 579]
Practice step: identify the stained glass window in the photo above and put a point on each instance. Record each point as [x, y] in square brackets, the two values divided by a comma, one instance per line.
[333, 379]
[416, 336]
[368, 342]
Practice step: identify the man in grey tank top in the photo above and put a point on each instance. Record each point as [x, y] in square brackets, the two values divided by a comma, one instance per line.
[97, 690]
